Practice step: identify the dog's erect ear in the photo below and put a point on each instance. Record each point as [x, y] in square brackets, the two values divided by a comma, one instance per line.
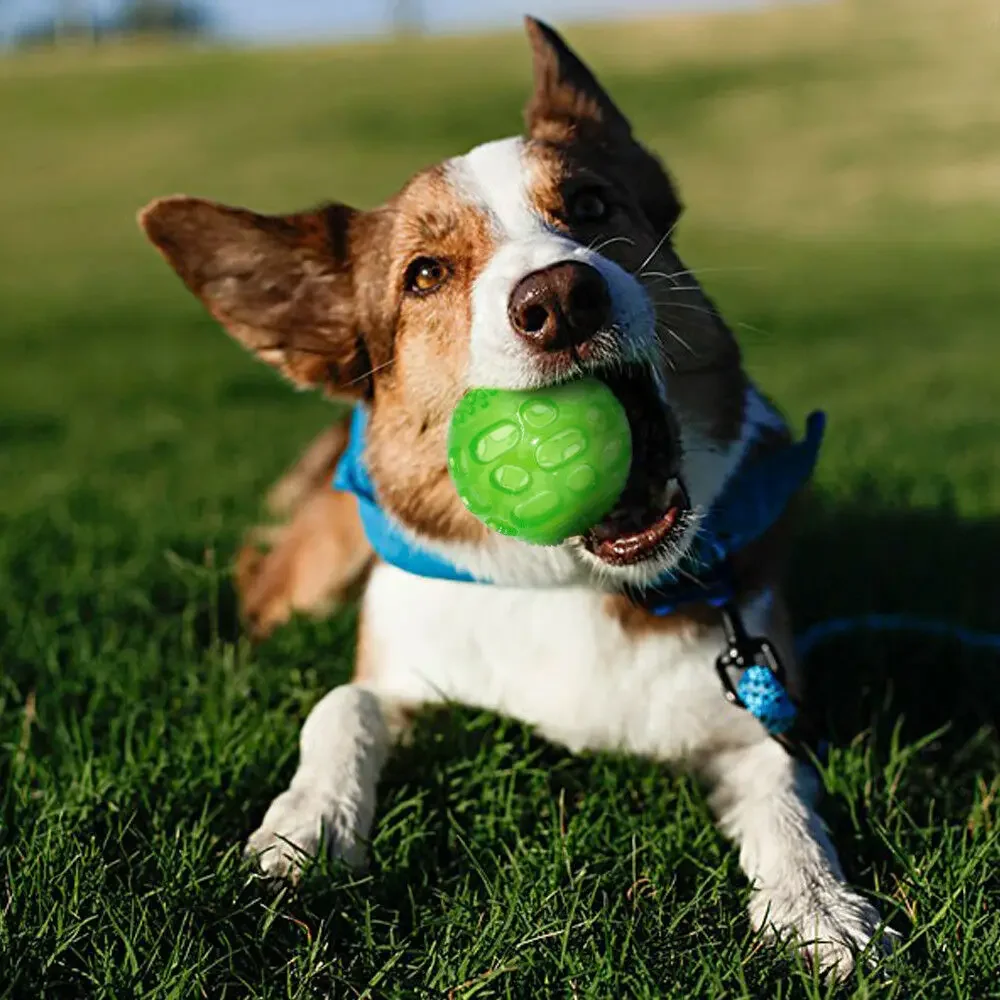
[569, 105]
[567, 99]
[281, 285]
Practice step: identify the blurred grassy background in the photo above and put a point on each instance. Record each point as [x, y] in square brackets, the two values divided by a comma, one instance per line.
[841, 164]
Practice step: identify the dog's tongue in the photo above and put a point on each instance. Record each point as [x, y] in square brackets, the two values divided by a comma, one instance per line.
[631, 516]
[615, 540]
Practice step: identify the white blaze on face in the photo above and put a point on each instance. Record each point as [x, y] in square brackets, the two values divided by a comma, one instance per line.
[497, 178]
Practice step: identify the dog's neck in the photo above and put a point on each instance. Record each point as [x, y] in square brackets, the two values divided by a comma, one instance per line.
[752, 501]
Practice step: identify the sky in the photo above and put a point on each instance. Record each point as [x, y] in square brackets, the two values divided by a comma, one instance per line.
[301, 20]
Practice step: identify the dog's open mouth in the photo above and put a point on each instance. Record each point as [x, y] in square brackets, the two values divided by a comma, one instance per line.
[649, 515]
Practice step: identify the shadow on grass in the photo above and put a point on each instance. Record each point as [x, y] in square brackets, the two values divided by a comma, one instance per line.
[866, 557]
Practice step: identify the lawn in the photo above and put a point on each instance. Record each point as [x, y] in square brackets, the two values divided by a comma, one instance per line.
[841, 164]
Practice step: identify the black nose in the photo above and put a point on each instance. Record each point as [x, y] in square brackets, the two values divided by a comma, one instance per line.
[560, 306]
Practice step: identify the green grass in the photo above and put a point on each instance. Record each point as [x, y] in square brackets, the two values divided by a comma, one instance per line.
[840, 163]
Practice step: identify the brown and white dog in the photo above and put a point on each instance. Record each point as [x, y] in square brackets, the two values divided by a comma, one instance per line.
[524, 262]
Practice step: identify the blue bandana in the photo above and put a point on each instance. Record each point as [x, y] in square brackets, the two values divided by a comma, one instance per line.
[752, 501]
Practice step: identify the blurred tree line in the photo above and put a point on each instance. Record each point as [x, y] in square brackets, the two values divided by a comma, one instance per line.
[74, 20]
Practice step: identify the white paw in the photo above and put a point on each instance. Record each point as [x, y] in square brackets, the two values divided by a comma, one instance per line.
[297, 826]
[832, 925]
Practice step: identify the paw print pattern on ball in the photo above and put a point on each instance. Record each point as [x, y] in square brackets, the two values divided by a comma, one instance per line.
[540, 466]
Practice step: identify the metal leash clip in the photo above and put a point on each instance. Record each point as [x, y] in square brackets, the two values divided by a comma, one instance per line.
[760, 685]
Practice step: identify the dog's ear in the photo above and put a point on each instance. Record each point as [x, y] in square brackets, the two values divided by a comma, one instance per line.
[568, 105]
[281, 285]
[567, 100]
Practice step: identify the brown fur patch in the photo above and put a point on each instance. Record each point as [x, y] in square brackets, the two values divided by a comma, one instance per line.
[636, 620]
[313, 470]
[416, 395]
[313, 561]
[279, 284]
[311, 565]
[569, 107]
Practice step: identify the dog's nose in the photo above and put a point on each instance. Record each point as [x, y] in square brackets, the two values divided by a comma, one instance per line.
[560, 306]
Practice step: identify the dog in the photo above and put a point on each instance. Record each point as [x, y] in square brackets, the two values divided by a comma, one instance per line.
[526, 262]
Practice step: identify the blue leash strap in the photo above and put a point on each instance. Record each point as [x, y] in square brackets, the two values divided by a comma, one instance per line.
[833, 628]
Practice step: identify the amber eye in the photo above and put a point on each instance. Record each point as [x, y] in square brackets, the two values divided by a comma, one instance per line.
[425, 275]
[588, 205]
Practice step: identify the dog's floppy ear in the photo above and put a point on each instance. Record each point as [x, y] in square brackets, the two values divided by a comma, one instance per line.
[280, 284]
[567, 99]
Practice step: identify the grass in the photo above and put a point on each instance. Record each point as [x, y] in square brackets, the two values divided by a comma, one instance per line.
[840, 162]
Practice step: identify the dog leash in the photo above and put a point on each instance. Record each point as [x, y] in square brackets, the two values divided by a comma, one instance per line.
[753, 676]
[935, 628]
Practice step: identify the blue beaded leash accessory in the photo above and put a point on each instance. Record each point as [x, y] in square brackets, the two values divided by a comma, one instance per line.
[760, 683]
[753, 677]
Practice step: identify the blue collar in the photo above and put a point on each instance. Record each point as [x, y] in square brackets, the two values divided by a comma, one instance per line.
[753, 500]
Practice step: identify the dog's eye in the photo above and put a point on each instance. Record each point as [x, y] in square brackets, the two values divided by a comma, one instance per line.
[425, 275]
[588, 205]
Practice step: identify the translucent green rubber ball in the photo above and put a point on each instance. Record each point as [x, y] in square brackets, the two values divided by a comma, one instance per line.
[540, 465]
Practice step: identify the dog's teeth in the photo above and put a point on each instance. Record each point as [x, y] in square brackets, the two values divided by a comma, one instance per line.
[672, 494]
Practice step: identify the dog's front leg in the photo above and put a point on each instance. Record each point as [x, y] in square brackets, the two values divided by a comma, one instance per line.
[331, 800]
[764, 800]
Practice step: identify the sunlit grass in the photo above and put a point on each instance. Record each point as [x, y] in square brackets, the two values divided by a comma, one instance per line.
[840, 163]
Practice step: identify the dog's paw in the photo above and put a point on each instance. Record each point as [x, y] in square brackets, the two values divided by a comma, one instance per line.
[299, 825]
[831, 924]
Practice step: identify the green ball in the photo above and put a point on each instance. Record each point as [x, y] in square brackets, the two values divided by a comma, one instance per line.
[540, 465]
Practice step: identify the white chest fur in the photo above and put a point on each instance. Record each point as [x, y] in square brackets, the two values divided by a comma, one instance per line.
[555, 659]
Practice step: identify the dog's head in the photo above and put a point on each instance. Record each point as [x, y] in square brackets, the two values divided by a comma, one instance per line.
[525, 262]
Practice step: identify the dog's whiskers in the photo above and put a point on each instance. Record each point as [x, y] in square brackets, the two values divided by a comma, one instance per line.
[609, 241]
[671, 304]
[753, 329]
[663, 327]
[674, 286]
[368, 374]
[665, 357]
[718, 270]
[656, 249]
